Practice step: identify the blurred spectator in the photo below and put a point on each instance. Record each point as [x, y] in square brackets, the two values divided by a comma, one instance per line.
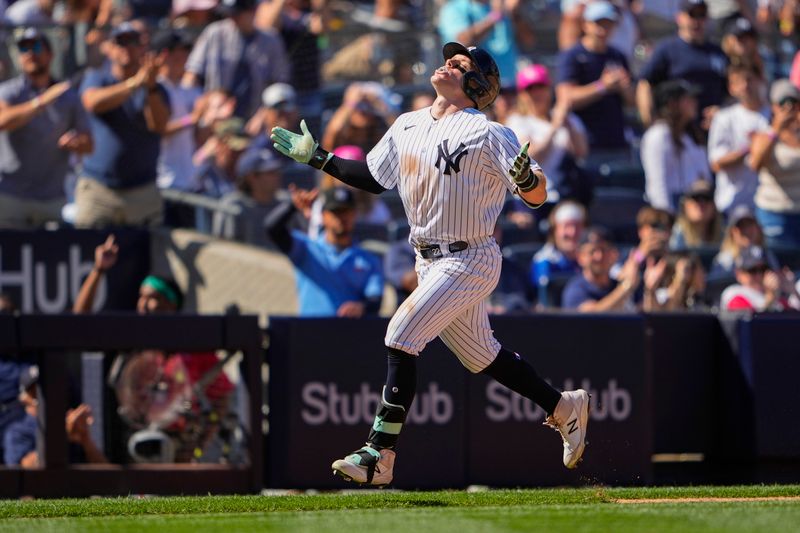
[30, 13]
[232, 55]
[740, 44]
[742, 231]
[672, 161]
[558, 258]
[759, 288]
[421, 100]
[301, 24]
[729, 139]
[11, 410]
[216, 174]
[370, 208]
[205, 408]
[689, 56]
[361, 119]
[654, 227]
[278, 108]
[334, 276]
[775, 154]
[698, 223]
[192, 16]
[495, 25]
[41, 122]
[594, 290]
[19, 440]
[128, 112]
[512, 293]
[175, 167]
[556, 135]
[794, 75]
[258, 179]
[678, 283]
[624, 37]
[595, 80]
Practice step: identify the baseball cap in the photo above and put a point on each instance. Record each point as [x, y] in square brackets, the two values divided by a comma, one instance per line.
[252, 161]
[700, 189]
[337, 198]
[670, 90]
[29, 34]
[600, 11]
[740, 213]
[232, 132]
[28, 377]
[568, 212]
[280, 95]
[170, 40]
[690, 5]
[124, 28]
[350, 151]
[182, 6]
[229, 7]
[751, 257]
[783, 89]
[741, 26]
[595, 235]
[532, 75]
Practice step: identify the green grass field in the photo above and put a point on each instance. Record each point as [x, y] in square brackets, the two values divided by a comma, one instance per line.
[777, 509]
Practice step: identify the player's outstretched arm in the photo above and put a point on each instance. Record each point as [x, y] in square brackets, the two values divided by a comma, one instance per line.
[531, 184]
[304, 149]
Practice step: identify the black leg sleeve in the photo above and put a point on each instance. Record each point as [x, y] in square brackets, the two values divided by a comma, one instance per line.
[511, 370]
[396, 399]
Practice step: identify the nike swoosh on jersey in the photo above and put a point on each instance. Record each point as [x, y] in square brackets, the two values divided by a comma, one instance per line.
[408, 127]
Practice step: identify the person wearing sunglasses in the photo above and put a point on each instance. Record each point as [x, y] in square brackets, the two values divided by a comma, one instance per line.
[128, 114]
[41, 123]
[689, 56]
[757, 287]
[775, 155]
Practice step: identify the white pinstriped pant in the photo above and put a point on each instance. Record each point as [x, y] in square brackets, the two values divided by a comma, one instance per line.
[450, 302]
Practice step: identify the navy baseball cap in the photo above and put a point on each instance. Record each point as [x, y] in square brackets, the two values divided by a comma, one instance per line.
[750, 258]
[337, 198]
[170, 40]
[691, 5]
[600, 11]
[253, 161]
[230, 7]
[595, 235]
[741, 27]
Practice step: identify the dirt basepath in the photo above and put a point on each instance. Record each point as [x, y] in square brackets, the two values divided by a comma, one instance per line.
[709, 499]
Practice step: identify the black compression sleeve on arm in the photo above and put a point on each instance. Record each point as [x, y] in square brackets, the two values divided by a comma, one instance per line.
[355, 173]
[276, 226]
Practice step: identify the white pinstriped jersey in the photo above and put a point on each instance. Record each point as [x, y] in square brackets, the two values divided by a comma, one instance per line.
[451, 173]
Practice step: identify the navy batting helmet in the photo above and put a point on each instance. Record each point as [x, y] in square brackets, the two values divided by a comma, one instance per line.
[483, 84]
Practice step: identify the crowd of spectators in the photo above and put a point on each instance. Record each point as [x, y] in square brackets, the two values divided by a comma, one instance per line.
[691, 134]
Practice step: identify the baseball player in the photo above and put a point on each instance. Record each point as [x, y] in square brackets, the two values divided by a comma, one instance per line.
[452, 168]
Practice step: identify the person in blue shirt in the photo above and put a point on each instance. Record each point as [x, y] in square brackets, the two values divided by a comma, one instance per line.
[594, 290]
[497, 26]
[128, 113]
[595, 79]
[334, 276]
[689, 56]
[558, 258]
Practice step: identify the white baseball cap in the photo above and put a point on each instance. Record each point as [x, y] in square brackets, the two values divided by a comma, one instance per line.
[279, 95]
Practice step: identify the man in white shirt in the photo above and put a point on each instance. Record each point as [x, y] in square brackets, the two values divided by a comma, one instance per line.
[729, 139]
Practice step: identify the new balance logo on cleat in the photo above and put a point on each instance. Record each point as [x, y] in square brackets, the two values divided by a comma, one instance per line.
[573, 426]
[570, 418]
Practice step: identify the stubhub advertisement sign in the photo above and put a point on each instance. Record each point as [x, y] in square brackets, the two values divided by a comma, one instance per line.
[326, 377]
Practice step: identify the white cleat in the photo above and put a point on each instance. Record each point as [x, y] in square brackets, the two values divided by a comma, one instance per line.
[570, 419]
[366, 465]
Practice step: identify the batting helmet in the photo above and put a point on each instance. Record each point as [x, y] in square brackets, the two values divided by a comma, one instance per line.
[483, 84]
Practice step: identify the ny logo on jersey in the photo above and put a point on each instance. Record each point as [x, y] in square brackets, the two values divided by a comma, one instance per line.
[451, 159]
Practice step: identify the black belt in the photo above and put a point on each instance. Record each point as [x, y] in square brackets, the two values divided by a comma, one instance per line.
[432, 251]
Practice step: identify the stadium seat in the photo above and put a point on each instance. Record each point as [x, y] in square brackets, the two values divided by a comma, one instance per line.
[522, 253]
[615, 208]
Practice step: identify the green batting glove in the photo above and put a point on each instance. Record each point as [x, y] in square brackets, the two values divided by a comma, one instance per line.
[521, 173]
[301, 148]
